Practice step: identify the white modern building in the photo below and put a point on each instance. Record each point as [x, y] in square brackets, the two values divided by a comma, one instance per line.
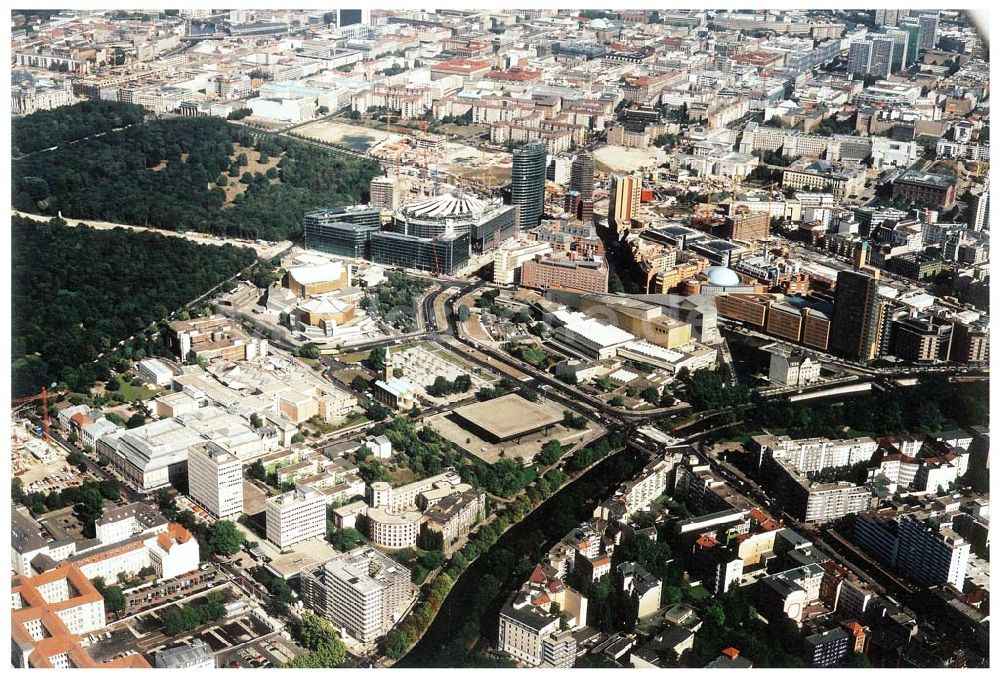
[589, 336]
[156, 372]
[215, 479]
[151, 455]
[510, 256]
[295, 516]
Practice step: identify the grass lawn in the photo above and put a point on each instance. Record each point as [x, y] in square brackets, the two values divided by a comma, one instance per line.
[354, 357]
[133, 393]
[402, 476]
[699, 593]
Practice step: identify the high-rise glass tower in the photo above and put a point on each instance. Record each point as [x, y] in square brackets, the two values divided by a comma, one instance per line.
[527, 183]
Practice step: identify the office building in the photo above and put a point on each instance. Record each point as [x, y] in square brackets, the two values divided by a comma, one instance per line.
[444, 254]
[582, 182]
[855, 329]
[215, 480]
[212, 338]
[842, 179]
[970, 343]
[527, 184]
[936, 190]
[512, 255]
[343, 239]
[747, 226]
[358, 214]
[363, 591]
[915, 32]
[295, 516]
[876, 56]
[624, 197]
[156, 372]
[922, 340]
[928, 31]
[154, 455]
[859, 57]
[487, 224]
[890, 17]
[827, 649]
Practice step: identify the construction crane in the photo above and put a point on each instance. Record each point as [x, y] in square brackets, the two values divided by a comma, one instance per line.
[44, 397]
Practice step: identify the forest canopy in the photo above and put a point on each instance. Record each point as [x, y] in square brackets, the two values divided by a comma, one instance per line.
[77, 292]
[164, 174]
[53, 127]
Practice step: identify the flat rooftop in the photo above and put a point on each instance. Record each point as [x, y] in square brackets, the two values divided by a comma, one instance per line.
[509, 416]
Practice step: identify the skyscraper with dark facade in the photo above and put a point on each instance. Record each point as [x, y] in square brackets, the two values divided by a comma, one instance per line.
[582, 181]
[527, 184]
[856, 328]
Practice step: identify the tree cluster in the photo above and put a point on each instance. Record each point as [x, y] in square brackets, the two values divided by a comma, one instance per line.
[442, 387]
[319, 636]
[177, 619]
[77, 292]
[112, 178]
[54, 127]
[87, 500]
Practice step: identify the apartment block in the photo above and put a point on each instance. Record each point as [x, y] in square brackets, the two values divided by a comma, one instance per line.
[363, 591]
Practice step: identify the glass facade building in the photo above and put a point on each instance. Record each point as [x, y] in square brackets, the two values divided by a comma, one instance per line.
[342, 239]
[443, 254]
[527, 184]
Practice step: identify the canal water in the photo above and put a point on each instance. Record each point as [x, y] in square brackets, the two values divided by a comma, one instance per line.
[538, 532]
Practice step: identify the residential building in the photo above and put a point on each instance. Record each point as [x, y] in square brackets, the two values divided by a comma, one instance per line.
[362, 591]
[642, 585]
[792, 367]
[532, 636]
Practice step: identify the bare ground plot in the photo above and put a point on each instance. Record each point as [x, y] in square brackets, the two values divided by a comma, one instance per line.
[254, 500]
[616, 159]
[360, 138]
[477, 165]
[253, 166]
[524, 450]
